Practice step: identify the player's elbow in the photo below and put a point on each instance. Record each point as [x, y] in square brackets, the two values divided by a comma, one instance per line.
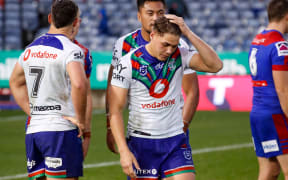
[218, 66]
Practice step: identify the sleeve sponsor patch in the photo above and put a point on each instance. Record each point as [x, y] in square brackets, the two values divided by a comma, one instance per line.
[282, 48]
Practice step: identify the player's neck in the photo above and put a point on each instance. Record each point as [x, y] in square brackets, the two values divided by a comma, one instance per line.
[145, 35]
[281, 27]
[66, 31]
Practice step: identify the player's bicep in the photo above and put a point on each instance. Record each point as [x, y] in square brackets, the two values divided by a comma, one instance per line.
[76, 73]
[281, 81]
[17, 77]
[117, 97]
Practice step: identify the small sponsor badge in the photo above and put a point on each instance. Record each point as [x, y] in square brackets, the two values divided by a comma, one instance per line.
[270, 146]
[282, 48]
[52, 162]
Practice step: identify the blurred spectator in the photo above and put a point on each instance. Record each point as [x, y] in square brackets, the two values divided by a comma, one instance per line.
[177, 7]
[103, 18]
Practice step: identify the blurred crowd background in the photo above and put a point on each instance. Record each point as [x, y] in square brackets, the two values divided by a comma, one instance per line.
[227, 25]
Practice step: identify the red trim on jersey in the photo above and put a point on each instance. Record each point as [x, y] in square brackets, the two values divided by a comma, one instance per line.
[176, 54]
[28, 120]
[268, 38]
[55, 173]
[134, 35]
[135, 64]
[178, 170]
[280, 67]
[280, 125]
[149, 76]
[138, 53]
[259, 83]
[41, 171]
[126, 47]
[286, 60]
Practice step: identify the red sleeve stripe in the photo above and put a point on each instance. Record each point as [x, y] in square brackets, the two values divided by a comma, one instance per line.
[135, 64]
[126, 47]
[280, 67]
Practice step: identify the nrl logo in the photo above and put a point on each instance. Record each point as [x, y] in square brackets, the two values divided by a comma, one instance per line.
[171, 64]
[187, 154]
[143, 70]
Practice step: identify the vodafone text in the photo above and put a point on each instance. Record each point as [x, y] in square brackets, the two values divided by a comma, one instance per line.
[158, 104]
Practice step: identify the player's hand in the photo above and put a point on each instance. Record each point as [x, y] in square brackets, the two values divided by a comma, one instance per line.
[86, 142]
[77, 123]
[186, 126]
[110, 141]
[180, 22]
[127, 160]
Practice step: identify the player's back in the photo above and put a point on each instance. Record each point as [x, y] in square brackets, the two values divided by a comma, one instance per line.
[264, 57]
[44, 62]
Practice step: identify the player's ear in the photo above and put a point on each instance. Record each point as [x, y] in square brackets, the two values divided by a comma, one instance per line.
[138, 16]
[49, 18]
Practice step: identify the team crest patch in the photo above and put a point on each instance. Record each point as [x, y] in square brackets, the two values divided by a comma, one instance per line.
[187, 154]
[143, 70]
[282, 48]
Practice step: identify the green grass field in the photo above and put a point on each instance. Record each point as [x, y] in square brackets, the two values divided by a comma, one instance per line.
[213, 135]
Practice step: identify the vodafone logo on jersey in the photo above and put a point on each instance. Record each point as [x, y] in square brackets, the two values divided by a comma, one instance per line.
[27, 54]
[39, 54]
[159, 88]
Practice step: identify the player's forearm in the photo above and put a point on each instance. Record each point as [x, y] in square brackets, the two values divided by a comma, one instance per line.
[117, 127]
[79, 97]
[21, 96]
[208, 55]
[107, 96]
[190, 107]
[89, 108]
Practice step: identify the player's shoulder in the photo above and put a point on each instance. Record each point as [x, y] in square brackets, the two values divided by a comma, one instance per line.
[267, 38]
[128, 35]
[183, 43]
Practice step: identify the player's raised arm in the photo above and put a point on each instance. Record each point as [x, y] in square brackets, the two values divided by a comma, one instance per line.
[206, 59]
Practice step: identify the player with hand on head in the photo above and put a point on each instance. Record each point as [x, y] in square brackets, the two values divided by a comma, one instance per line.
[48, 82]
[150, 79]
[148, 12]
[268, 60]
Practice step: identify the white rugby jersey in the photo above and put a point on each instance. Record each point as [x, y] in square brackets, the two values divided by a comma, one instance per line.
[154, 95]
[132, 41]
[49, 89]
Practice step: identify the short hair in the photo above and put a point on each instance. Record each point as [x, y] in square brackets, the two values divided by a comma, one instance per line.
[63, 12]
[162, 25]
[140, 3]
[277, 9]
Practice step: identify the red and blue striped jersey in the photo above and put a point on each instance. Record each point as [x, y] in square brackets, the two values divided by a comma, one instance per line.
[88, 59]
[268, 52]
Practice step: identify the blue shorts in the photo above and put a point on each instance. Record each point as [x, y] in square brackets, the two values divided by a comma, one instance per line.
[269, 133]
[55, 154]
[161, 157]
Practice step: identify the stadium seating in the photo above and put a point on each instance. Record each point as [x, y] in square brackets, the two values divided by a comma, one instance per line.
[226, 25]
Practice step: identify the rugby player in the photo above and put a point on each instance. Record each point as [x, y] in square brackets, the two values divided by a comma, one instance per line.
[49, 82]
[268, 60]
[150, 79]
[148, 12]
